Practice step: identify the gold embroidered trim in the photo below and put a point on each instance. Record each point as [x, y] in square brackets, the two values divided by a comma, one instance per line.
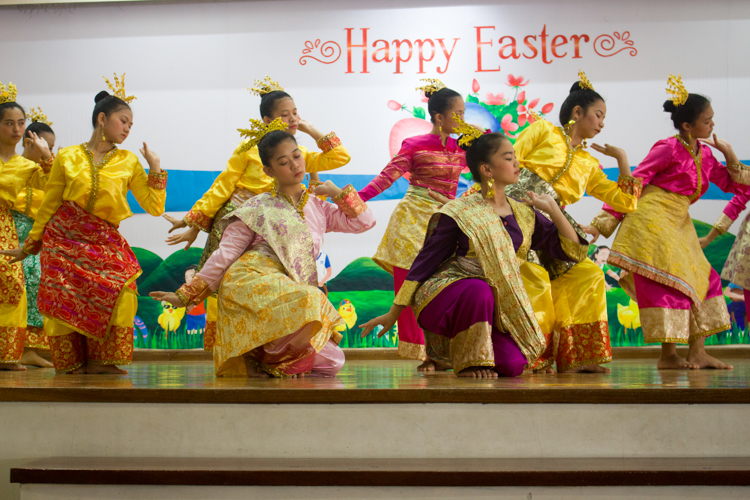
[574, 249]
[194, 293]
[630, 185]
[472, 347]
[29, 199]
[349, 202]
[698, 167]
[299, 207]
[412, 351]
[47, 164]
[70, 369]
[671, 326]
[710, 318]
[406, 293]
[739, 173]
[95, 168]
[157, 180]
[31, 246]
[568, 158]
[723, 223]
[328, 142]
[606, 223]
[196, 218]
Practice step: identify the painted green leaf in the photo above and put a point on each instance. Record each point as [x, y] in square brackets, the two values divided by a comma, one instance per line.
[419, 113]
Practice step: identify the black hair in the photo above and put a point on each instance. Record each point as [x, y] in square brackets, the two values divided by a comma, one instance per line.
[481, 150]
[191, 267]
[597, 250]
[578, 96]
[268, 102]
[107, 104]
[10, 105]
[269, 142]
[439, 103]
[688, 112]
[38, 128]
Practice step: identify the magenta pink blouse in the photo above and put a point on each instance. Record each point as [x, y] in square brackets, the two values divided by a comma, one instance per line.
[429, 163]
[670, 166]
[321, 217]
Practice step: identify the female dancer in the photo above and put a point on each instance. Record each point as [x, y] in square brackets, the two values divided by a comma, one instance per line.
[273, 320]
[16, 172]
[555, 163]
[434, 162]
[244, 178]
[87, 293]
[465, 284]
[679, 295]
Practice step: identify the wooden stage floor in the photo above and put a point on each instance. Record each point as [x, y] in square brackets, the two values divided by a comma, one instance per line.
[632, 381]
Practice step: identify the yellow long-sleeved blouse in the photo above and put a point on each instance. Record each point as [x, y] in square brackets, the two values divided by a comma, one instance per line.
[15, 175]
[244, 170]
[30, 198]
[545, 150]
[101, 189]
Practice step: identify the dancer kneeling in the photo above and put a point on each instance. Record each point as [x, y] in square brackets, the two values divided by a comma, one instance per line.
[272, 318]
[465, 286]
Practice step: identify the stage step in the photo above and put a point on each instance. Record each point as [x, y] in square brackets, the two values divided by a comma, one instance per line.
[386, 472]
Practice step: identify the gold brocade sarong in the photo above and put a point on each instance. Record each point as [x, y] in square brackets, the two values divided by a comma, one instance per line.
[658, 241]
[259, 303]
[404, 236]
[737, 267]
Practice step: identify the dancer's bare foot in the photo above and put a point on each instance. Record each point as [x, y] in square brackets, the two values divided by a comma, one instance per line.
[253, 371]
[432, 365]
[31, 357]
[670, 360]
[545, 371]
[297, 375]
[477, 372]
[97, 369]
[78, 371]
[12, 367]
[698, 357]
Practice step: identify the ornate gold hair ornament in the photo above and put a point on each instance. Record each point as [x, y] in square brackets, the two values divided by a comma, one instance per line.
[583, 81]
[468, 133]
[676, 90]
[8, 94]
[257, 130]
[266, 86]
[118, 89]
[433, 85]
[37, 116]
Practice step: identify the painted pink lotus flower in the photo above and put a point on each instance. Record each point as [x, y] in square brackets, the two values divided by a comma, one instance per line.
[495, 99]
[523, 110]
[395, 106]
[423, 97]
[475, 86]
[547, 108]
[516, 82]
[507, 124]
[521, 97]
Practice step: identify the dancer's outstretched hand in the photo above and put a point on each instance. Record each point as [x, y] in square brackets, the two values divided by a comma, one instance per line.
[328, 188]
[170, 297]
[17, 254]
[386, 321]
[719, 144]
[608, 150]
[153, 160]
[40, 145]
[593, 232]
[176, 223]
[188, 237]
[442, 199]
[541, 201]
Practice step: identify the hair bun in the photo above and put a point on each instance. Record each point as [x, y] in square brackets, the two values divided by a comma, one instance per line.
[576, 87]
[101, 95]
[669, 106]
[429, 93]
[465, 147]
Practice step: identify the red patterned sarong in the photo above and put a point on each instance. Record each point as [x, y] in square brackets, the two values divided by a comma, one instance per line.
[86, 263]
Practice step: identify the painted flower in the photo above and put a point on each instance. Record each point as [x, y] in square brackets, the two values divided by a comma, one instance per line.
[495, 99]
[523, 110]
[475, 86]
[424, 98]
[395, 106]
[547, 108]
[516, 82]
[507, 124]
[521, 97]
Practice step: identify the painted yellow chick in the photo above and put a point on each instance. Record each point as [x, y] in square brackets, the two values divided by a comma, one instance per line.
[629, 316]
[171, 318]
[347, 311]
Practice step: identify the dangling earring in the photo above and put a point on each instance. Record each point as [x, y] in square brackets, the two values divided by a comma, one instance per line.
[584, 144]
[104, 139]
[491, 188]
[441, 128]
[275, 188]
[569, 127]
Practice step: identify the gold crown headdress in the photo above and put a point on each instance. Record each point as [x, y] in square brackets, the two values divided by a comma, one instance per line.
[583, 81]
[468, 133]
[8, 94]
[37, 116]
[257, 130]
[266, 86]
[676, 90]
[433, 85]
[118, 89]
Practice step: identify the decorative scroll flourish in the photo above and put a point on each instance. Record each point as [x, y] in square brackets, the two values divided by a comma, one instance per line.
[606, 45]
[328, 51]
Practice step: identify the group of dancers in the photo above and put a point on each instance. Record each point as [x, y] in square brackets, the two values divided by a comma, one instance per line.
[488, 284]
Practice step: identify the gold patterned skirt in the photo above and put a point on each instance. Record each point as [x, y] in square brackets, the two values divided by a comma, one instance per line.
[257, 304]
[737, 267]
[405, 234]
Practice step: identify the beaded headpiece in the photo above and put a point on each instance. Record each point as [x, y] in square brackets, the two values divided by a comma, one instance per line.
[433, 85]
[676, 90]
[8, 94]
[257, 130]
[266, 86]
[118, 89]
[583, 81]
[37, 116]
[468, 133]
